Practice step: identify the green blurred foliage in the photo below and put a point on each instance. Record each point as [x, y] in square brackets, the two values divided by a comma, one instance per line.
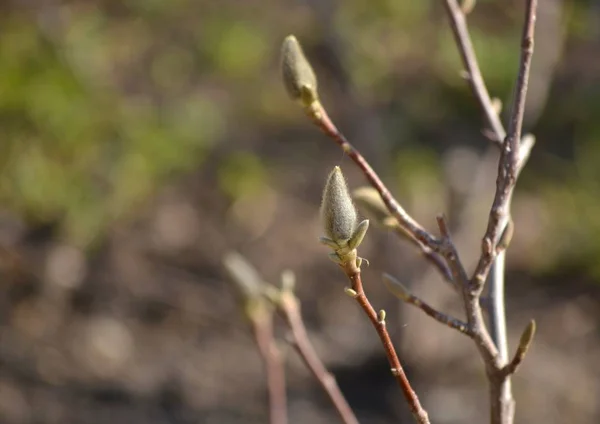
[101, 104]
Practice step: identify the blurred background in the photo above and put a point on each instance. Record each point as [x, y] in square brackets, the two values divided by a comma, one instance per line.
[141, 140]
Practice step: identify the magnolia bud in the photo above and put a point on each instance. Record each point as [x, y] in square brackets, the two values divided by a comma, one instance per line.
[298, 76]
[337, 210]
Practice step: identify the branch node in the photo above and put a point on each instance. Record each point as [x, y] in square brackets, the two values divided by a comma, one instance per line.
[381, 317]
[350, 292]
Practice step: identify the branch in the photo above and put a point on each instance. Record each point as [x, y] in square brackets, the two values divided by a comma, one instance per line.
[465, 46]
[378, 321]
[250, 290]
[290, 310]
[263, 334]
[508, 167]
[401, 292]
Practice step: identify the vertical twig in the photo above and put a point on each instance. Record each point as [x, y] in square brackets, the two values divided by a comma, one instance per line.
[290, 309]
[263, 333]
[251, 290]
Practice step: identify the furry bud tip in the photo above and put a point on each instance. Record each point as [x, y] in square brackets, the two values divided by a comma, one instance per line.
[337, 210]
[298, 76]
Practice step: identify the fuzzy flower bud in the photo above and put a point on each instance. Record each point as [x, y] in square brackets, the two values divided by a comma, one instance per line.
[337, 210]
[298, 76]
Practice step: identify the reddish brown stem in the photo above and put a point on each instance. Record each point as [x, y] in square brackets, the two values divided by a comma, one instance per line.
[412, 399]
[263, 333]
[290, 309]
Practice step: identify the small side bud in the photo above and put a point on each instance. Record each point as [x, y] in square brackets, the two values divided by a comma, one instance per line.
[381, 316]
[524, 344]
[497, 105]
[396, 287]
[244, 276]
[506, 236]
[527, 337]
[298, 75]
[371, 205]
[350, 292]
[337, 210]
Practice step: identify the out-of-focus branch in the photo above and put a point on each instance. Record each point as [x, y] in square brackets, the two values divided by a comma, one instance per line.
[401, 292]
[258, 311]
[289, 308]
[263, 333]
[460, 30]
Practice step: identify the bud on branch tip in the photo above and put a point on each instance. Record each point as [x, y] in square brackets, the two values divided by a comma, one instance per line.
[337, 210]
[340, 220]
[396, 287]
[298, 76]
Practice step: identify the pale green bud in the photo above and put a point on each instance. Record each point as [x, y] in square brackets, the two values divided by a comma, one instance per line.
[337, 210]
[298, 76]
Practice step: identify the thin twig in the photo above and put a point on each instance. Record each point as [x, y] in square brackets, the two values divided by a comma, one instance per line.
[263, 333]
[431, 256]
[509, 157]
[290, 309]
[402, 293]
[250, 290]
[467, 52]
[354, 275]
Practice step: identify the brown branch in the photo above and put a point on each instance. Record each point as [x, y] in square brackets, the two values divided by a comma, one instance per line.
[402, 293]
[263, 333]
[508, 166]
[250, 291]
[289, 307]
[467, 52]
[358, 293]
[432, 257]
